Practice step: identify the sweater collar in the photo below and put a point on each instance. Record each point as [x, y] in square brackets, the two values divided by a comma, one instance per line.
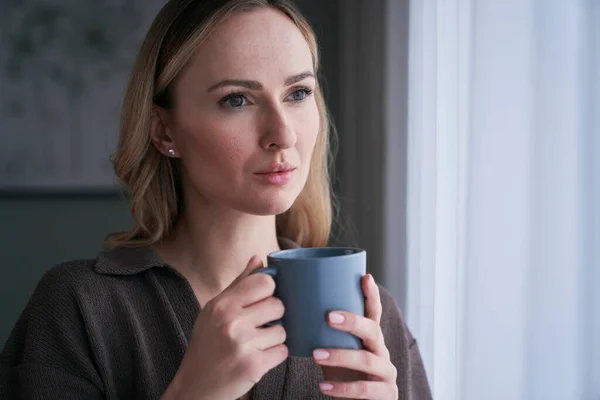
[125, 261]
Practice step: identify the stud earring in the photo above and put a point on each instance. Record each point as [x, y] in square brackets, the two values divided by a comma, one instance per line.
[172, 152]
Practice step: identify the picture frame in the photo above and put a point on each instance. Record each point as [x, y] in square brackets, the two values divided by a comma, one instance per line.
[64, 67]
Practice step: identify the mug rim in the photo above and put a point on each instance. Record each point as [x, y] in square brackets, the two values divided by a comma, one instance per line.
[280, 254]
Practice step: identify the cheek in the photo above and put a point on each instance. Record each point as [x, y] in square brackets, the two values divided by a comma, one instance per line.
[211, 151]
[307, 134]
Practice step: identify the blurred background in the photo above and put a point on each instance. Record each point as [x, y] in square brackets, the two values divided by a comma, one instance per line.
[469, 139]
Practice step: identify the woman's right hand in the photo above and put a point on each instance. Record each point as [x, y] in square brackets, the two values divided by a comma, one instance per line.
[230, 350]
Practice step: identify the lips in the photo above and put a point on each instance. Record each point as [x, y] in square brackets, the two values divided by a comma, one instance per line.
[276, 174]
[277, 167]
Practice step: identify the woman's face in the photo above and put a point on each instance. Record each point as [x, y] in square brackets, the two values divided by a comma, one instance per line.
[245, 119]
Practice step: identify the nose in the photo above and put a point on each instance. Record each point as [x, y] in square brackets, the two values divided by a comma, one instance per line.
[278, 131]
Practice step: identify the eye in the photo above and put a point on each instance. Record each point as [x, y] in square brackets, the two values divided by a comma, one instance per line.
[300, 94]
[235, 100]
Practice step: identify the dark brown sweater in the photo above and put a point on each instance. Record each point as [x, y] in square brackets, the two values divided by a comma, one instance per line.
[117, 328]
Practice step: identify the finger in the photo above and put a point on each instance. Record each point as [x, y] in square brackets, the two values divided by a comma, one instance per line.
[357, 360]
[264, 311]
[246, 293]
[372, 298]
[266, 338]
[360, 390]
[252, 289]
[274, 356]
[364, 328]
[254, 263]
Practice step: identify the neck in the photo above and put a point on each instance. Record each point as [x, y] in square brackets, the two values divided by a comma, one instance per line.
[212, 245]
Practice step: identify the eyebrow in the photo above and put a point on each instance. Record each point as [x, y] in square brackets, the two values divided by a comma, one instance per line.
[254, 85]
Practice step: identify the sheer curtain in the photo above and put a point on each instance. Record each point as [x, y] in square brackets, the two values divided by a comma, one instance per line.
[502, 235]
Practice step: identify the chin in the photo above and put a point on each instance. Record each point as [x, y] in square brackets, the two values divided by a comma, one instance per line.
[273, 206]
[268, 203]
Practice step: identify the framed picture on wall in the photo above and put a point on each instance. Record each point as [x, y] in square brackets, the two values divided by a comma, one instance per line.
[63, 71]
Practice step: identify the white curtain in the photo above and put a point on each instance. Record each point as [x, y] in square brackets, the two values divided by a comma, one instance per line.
[503, 177]
[594, 372]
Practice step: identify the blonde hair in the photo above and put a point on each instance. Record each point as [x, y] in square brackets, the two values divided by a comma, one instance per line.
[152, 179]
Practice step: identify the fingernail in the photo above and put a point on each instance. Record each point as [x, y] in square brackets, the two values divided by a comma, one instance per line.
[321, 354]
[336, 318]
[326, 386]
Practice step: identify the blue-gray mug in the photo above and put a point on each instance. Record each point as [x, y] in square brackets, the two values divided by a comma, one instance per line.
[311, 282]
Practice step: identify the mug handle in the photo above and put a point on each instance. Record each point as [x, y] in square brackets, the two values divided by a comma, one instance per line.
[266, 270]
[273, 272]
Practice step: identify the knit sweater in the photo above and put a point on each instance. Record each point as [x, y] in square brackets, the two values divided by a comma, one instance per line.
[117, 327]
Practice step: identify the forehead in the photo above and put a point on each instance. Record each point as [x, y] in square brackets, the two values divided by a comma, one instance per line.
[262, 44]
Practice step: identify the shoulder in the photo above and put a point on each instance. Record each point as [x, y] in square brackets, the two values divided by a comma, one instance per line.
[61, 288]
[68, 296]
[54, 299]
[50, 332]
[81, 286]
[56, 291]
[87, 276]
[78, 310]
[66, 276]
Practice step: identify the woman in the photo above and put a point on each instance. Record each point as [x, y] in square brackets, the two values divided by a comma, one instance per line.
[224, 147]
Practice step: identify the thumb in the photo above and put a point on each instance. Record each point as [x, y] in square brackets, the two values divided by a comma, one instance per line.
[254, 263]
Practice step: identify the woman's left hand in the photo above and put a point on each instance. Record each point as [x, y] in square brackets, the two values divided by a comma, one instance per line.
[359, 374]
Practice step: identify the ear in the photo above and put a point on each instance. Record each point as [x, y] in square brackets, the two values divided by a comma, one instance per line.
[160, 133]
